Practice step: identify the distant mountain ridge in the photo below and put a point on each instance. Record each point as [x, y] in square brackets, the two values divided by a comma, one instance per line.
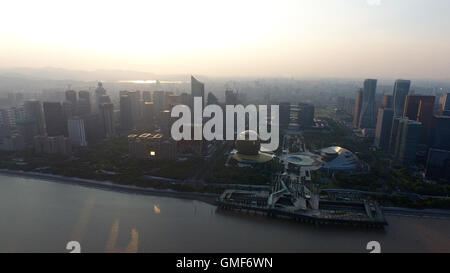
[53, 73]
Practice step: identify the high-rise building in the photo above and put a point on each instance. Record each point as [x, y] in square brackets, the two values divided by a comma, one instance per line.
[426, 116]
[18, 113]
[368, 117]
[440, 137]
[285, 114]
[71, 96]
[401, 90]
[167, 100]
[148, 115]
[358, 106]
[27, 129]
[185, 99]
[393, 137]
[84, 103]
[173, 100]
[445, 107]
[34, 112]
[165, 123]
[231, 97]
[212, 99]
[126, 120]
[159, 101]
[197, 89]
[103, 99]
[135, 97]
[340, 103]
[421, 108]
[68, 109]
[100, 92]
[305, 115]
[412, 104]
[5, 124]
[408, 138]
[349, 106]
[107, 119]
[438, 165]
[93, 128]
[9, 116]
[55, 119]
[384, 126]
[387, 101]
[77, 132]
[14, 142]
[146, 96]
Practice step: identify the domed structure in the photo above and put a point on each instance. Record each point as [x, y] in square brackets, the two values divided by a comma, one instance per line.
[336, 158]
[248, 143]
[248, 149]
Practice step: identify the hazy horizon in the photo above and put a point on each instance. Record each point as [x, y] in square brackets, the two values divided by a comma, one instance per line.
[300, 39]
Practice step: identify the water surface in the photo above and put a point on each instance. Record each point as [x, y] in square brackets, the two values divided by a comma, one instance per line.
[42, 216]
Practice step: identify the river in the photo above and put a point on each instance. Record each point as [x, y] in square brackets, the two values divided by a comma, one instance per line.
[37, 215]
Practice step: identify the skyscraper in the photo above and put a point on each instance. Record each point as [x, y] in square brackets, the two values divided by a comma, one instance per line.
[285, 114]
[401, 90]
[146, 96]
[93, 128]
[148, 115]
[384, 126]
[393, 137]
[165, 123]
[185, 99]
[408, 140]
[446, 104]
[135, 97]
[438, 165]
[305, 115]
[197, 89]
[387, 101]
[411, 110]
[84, 103]
[71, 96]
[440, 137]
[411, 107]
[230, 97]
[368, 117]
[34, 112]
[126, 119]
[357, 111]
[55, 119]
[107, 119]
[425, 116]
[158, 100]
[212, 99]
[99, 92]
[77, 133]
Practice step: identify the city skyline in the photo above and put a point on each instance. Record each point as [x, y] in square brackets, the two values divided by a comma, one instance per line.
[290, 126]
[326, 38]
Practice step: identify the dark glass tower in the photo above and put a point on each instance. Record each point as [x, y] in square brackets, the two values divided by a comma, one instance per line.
[401, 90]
[368, 117]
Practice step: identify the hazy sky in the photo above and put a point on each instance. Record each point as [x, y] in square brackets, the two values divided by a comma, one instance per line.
[318, 38]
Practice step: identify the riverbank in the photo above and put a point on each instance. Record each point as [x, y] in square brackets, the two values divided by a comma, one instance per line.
[209, 198]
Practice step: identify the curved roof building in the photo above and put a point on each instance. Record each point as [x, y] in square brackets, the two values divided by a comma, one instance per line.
[336, 158]
[248, 149]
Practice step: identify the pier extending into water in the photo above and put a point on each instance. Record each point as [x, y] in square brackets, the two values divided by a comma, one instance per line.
[362, 214]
